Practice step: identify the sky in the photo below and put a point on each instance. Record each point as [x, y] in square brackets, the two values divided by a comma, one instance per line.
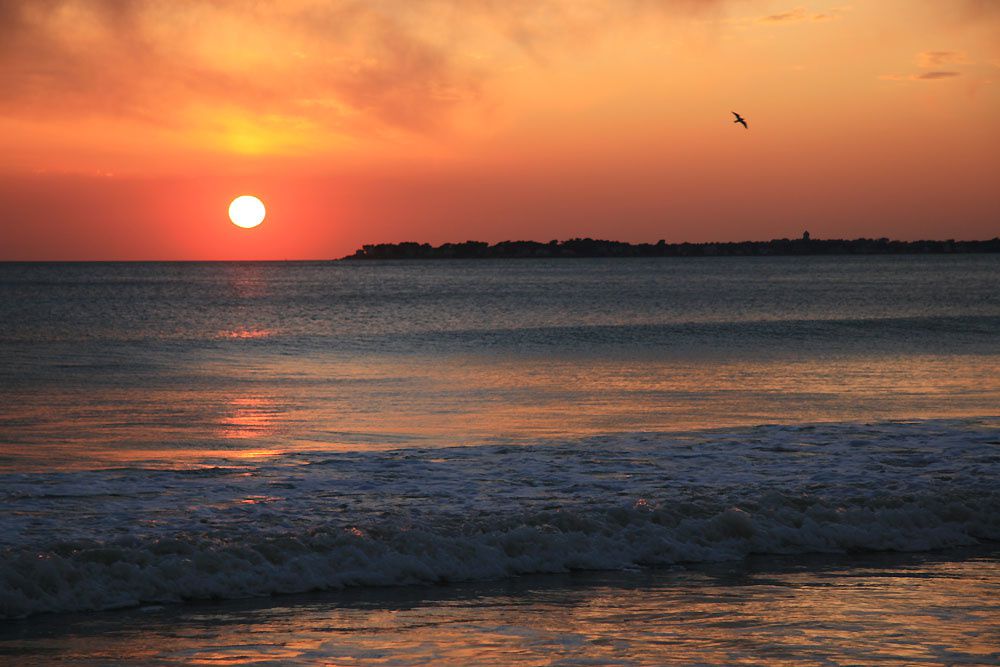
[127, 127]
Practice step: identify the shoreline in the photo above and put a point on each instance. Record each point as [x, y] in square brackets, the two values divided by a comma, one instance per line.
[675, 615]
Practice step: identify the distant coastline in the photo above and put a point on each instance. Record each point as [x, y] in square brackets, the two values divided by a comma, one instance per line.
[587, 247]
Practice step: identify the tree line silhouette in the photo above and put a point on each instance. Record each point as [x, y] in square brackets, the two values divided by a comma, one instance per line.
[588, 247]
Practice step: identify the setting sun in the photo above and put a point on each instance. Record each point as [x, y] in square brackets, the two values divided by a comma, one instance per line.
[247, 211]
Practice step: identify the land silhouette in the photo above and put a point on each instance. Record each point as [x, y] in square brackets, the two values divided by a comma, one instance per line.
[588, 247]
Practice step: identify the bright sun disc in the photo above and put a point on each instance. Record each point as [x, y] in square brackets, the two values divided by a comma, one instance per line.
[246, 211]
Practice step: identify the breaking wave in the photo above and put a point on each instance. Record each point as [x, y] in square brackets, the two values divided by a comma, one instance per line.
[74, 541]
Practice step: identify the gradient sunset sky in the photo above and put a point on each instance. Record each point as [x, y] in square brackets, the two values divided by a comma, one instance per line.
[127, 127]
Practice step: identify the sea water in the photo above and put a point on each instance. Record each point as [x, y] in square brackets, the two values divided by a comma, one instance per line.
[180, 432]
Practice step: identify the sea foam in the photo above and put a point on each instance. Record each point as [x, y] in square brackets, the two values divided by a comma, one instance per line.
[75, 541]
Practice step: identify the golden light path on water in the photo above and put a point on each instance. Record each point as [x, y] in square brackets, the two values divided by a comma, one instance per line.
[339, 403]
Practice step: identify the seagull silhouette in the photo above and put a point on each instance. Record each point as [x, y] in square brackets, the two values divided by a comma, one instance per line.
[740, 120]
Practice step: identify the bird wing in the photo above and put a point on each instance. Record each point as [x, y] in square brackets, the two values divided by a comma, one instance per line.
[736, 114]
[743, 123]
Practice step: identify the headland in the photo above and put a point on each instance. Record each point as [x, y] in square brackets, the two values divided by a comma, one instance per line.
[588, 247]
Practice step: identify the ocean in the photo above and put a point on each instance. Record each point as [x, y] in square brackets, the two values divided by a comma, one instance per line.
[587, 461]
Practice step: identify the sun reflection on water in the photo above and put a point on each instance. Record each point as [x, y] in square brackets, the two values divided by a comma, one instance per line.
[246, 333]
[248, 417]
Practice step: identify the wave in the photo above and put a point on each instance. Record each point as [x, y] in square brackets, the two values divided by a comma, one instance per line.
[121, 573]
[317, 521]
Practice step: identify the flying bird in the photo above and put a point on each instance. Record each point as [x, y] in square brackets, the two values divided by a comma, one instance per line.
[740, 120]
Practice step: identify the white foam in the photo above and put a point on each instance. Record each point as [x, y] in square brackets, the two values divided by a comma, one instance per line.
[104, 539]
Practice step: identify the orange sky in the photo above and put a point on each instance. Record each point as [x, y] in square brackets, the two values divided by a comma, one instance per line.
[126, 127]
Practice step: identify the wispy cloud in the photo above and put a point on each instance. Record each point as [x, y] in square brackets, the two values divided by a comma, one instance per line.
[797, 15]
[935, 61]
[923, 76]
[931, 76]
[931, 59]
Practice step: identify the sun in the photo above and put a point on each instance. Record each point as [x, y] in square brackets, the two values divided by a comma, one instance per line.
[247, 211]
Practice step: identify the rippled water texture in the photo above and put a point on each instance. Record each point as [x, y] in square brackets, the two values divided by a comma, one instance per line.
[170, 364]
[613, 461]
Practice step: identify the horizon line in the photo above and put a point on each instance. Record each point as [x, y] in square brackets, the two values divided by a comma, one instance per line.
[809, 239]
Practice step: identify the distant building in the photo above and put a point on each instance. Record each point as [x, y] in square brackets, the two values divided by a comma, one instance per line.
[805, 236]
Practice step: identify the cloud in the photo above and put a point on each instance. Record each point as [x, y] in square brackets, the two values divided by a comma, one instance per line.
[934, 60]
[146, 60]
[797, 15]
[930, 76]
[979, 9]
[348, 66]
[924, 76]
[939, 58]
